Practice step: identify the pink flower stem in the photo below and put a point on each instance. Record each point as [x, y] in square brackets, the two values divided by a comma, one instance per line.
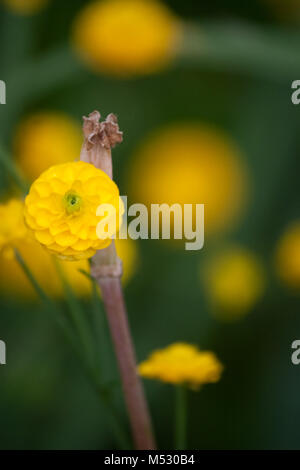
[133, 393]
[106, 268]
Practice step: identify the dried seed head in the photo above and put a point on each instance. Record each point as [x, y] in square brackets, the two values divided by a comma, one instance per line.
[105, 133]
[99, 138]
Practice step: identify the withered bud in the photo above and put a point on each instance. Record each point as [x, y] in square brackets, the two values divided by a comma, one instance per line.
[99, 138]
[106, 133]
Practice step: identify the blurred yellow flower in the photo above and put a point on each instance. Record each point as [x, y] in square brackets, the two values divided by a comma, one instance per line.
[126, 37]
[79, 283]
[286, 9]
[46, 139]
[189, 164]
[15, 235]
[182, 363]
[128, 253]
[235, 281]
[61, 209]
[25, 7]
[12, 228]
[14, 282]
[288, 256]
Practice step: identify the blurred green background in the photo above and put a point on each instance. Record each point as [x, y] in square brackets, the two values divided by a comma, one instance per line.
[239, 80]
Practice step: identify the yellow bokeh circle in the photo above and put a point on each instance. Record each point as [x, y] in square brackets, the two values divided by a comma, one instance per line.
[126, 37]
[46, 139]
[192, 164]
[235, 281]
[288, 256]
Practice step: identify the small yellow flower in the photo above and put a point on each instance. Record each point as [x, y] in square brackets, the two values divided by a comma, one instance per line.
[182, 363]
[288, 256]
[235, 281]
[12, 228]
[61, 209]
[25, 7]
[191, 164]
[46, 139]
[126, 37]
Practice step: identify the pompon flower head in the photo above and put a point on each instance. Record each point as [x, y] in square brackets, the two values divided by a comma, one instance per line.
[25, 7]
[182, 363]
[61, 209]
[126, 37]
[12, 228]
[287, 256]
[45, 139]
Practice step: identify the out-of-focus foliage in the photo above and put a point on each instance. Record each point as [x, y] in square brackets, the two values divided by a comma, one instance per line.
[25, 7]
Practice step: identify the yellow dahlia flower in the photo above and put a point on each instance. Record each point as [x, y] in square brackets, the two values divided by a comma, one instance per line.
[61, 209]
[191, 164]
[46, 139]
[12, 228]
[182, 363]
[235, 281]
[288, 256]
[25, 7]
[126, 37]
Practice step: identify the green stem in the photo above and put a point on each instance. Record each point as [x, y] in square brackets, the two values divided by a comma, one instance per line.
[102, 349]
[180, 417]
[51, 307]
[101, 330]
[98, 322]
[12, 170]
[78, 317]
[103, 393]
[112, 412]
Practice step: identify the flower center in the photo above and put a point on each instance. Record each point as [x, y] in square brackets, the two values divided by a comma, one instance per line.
[72, 202]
